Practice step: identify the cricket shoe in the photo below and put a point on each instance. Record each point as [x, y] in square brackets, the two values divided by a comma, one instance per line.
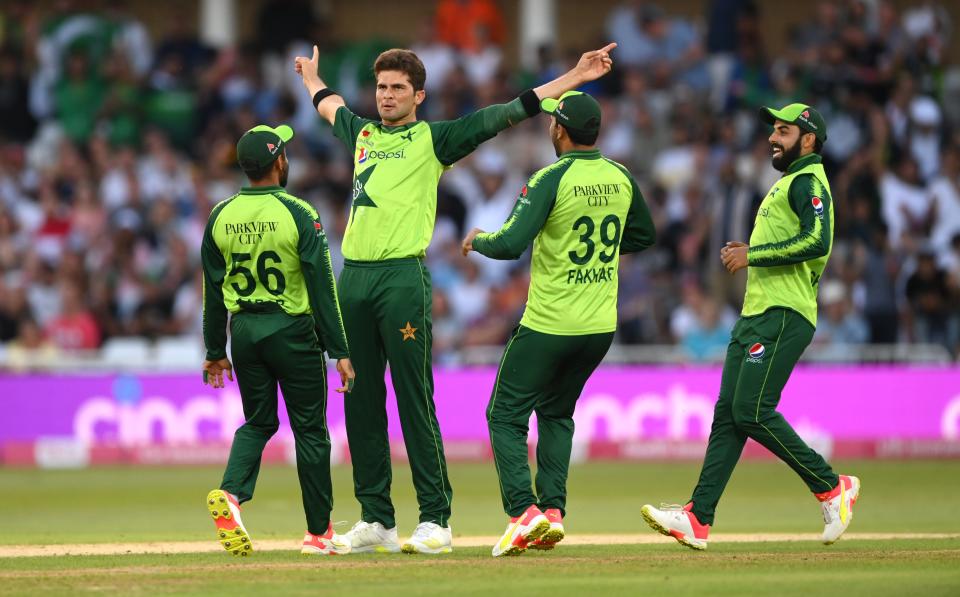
[327, 544]
[225, 509]
[522, 530]
[429, 537]
[372, 536]
[678, 522]
[838, 507]
[553, 536]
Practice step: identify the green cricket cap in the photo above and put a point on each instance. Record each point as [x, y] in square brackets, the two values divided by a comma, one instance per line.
[261, 145]
[802, 115]
[575, 110]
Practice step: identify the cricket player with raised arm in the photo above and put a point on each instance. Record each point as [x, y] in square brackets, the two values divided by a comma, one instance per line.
[385, 288]
[788, 251]
[581, 213]
[266, 262]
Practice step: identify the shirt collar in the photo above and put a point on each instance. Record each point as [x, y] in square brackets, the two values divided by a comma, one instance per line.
[584, 154]
[260, 190]
[801, 163]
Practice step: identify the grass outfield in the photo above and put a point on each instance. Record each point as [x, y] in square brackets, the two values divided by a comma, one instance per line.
[161, 504]
[875, 568]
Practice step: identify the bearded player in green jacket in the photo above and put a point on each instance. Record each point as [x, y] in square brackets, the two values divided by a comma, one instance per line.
[385, 288]
[581, 213]
[788, 251]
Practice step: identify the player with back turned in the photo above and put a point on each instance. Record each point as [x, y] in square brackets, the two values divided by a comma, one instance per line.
[788, 251]
[266, 262]
[581, 213]
[385, 288]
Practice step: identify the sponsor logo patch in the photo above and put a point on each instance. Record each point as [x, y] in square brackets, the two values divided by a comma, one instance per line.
[363, 155]
[755, 353]
[817, 206]
[272, 148]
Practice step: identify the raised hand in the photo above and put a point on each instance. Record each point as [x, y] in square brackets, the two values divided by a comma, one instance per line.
[308, 67]
[595, 64]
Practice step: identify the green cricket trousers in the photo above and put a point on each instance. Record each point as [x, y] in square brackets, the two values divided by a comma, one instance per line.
[762, 353]
[272, 348]
[542, 373]
[387, 314]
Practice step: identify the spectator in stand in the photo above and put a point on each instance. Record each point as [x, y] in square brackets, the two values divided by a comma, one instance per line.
[838, 326]
[459, 22]
[671, 47]
[74, 328]
[932, 317]
[17, 124]
[78, 97]
[879, 270]
[905, 204]
[924, 136]
[31, 349]
[482, 61]
[945, 194]
[496, 194]
[708, 337]
[438, 58]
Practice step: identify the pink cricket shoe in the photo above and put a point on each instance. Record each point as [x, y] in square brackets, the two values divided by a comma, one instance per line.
[523, 529]
[327, 544]
[837, 507]
[677, 522]
[553, 536]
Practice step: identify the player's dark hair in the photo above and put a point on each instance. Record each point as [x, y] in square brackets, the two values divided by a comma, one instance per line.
[818, 147]
[582, 138]
[258, 174]
[404, 61]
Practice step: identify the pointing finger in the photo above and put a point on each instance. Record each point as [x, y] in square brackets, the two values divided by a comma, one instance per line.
[316, 53]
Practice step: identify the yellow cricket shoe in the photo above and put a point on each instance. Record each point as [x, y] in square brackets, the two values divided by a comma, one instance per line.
[225, 509]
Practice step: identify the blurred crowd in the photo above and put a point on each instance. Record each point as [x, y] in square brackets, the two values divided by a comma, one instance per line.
[115, 142]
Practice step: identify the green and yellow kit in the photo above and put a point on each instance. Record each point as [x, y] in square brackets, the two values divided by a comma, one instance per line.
[386, 295]
[581, 213]
[789, 249]
[266, 262]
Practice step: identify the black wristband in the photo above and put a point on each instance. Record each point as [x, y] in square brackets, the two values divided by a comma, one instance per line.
[321, 95]
[531, 103]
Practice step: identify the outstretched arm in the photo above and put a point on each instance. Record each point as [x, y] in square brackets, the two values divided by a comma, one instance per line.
[533, 207]
[455, 139]
[591, 66]
[308, 69]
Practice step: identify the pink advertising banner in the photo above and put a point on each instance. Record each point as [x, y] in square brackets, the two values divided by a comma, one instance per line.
[619, 404]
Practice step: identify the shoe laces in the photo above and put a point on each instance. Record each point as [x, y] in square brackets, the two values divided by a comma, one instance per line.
[670, 507]
[364, 532]
[359, 526]
[828, 512]
[424, 530]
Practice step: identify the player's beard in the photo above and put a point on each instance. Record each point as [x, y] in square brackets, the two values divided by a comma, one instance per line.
[788, 156]
[556, 143]
[284, 173]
